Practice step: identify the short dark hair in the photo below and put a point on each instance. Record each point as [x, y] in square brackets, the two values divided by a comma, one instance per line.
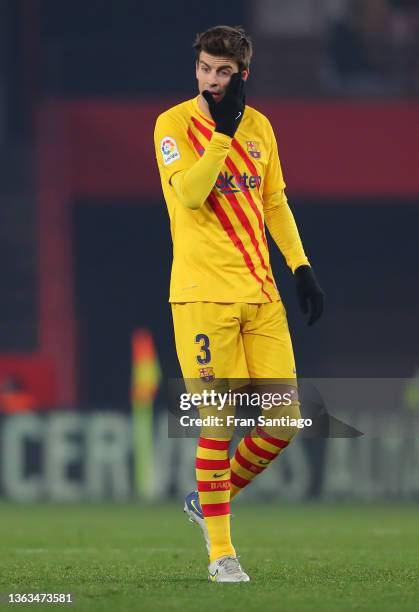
[226, 41]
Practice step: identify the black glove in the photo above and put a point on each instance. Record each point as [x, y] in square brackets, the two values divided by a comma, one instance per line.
[309, 293]
[228, 112]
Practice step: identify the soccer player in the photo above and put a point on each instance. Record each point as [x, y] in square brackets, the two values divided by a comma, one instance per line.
[222, 182]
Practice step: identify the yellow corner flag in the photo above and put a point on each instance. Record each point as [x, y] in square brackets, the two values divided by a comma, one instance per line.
[146, 376]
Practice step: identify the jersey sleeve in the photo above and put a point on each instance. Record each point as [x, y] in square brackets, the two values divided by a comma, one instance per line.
[278, 215]
[192, 179]
[274, 183]
[173, 151]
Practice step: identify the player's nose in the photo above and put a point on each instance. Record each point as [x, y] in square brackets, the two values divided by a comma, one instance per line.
[213, 79]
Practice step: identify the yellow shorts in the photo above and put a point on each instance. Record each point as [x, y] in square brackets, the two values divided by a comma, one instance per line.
[233, 341]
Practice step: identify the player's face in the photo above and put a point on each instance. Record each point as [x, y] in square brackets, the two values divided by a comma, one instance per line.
[214, 73]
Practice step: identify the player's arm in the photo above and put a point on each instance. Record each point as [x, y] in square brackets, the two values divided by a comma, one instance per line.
[193, 186]
[192, 179]
[283, 229]
[278, 216]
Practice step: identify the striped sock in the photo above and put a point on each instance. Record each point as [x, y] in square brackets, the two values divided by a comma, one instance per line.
[213, 478]
[253, 455]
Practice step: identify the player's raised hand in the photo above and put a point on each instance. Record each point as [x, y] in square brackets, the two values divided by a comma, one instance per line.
[228, 112]
[309, 293]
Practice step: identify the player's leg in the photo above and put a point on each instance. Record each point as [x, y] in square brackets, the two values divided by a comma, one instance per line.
[210, 351]
[269, 357]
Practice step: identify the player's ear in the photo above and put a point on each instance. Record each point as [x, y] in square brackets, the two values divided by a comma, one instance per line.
[196, 68]
[245, 74]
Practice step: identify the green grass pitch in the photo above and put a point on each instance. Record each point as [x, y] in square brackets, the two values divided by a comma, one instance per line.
[127, 557]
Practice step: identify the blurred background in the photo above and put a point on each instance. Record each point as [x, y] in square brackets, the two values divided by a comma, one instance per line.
[85, 247]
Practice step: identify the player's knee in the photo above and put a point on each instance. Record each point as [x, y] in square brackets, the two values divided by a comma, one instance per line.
[283, 422]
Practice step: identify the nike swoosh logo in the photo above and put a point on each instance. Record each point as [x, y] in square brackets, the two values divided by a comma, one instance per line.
[263, 462]
[194, 507]
[213, 576]
[238, 116]
[219, 475]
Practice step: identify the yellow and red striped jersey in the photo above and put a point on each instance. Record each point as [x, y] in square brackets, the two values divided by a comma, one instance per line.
[220, 252]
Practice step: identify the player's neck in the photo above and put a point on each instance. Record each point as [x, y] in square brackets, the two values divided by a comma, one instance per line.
[203, 106]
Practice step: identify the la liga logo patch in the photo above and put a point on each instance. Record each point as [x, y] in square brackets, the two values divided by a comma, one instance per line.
[169, 150]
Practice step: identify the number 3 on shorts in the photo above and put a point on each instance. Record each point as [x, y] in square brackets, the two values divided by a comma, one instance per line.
[204, 355]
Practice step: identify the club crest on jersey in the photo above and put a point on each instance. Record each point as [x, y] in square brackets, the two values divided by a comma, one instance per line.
[206, 374]
[169, 150]
[253, 148]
